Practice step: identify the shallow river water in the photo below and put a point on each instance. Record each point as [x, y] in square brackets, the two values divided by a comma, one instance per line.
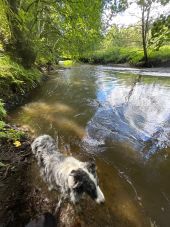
[122, 119]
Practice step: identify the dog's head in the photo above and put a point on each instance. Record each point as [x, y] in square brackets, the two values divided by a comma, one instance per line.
[84, 180]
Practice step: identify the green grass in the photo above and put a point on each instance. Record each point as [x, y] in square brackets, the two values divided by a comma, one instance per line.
[114, 55]
[163, 53]
[132, 55]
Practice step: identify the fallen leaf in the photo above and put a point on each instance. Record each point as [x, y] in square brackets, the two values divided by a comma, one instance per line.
[17, 143]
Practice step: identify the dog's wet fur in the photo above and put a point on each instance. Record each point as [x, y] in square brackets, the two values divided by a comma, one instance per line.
[73, 177]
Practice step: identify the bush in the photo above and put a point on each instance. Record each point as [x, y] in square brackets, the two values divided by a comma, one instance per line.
[114, 55]
[163, 53]
[132, 55]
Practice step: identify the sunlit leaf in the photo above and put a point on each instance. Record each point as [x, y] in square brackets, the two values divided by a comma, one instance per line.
[17, 143]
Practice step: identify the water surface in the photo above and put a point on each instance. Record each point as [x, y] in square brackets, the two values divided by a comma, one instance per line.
[122, 119]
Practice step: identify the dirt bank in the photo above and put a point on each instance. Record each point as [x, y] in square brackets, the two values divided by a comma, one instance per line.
[23, 194]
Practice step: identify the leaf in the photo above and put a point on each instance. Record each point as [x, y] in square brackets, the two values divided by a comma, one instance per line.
[17, 143]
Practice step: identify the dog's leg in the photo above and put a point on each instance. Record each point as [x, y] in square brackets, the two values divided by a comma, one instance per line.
[61, 200]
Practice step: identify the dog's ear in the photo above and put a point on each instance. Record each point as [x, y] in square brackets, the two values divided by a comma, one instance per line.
[73, 173]
[77, 182]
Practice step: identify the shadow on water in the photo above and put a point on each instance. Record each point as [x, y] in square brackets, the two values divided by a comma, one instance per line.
[123, 120]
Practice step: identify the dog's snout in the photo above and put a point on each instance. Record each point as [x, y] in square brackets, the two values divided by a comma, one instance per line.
[100, 197]
[100, 201]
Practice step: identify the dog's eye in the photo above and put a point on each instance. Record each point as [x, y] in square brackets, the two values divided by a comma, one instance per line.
[78, 188]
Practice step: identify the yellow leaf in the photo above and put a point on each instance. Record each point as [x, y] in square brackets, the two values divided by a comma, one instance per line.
[17, 143]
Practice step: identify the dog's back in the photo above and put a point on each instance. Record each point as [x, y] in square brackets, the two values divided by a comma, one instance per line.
[44, 143]
[43, 147]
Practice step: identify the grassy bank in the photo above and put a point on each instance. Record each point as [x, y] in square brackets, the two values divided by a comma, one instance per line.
[15, 84]
[131, 55]
[15, 80]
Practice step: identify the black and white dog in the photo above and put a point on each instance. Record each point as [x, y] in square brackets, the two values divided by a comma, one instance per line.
[73, 177]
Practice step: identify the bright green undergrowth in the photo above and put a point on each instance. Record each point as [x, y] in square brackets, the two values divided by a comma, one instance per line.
[6, 132]
[132, 55]
[14, 80]
[163, 53]
[2, 110]
[9, 133]
[67, 63]
[16, 74]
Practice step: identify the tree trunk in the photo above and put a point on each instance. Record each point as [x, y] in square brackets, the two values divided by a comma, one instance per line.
[19, 45]
[144, 41]
[145, 51]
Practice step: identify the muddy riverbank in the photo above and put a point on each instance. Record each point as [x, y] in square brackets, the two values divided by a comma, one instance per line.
[21, 200]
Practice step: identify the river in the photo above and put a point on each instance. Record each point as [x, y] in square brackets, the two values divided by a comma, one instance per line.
[120, 117]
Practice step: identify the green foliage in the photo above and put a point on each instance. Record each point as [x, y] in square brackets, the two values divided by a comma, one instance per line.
[4, 28]
[123, 37]
[9, 133]
[132, 55]
[43, 31]
[115, 55]
[110, 9]
[15, 75]
[67, 63]
[160, 32]
[49, 29]
[162, 54]
[2, 112]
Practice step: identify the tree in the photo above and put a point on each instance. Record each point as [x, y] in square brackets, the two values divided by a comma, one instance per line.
[146, 21]
[123, 37]
[160, 32]
[18, 44]
[49, 28]
[110, 9]
[145, 6]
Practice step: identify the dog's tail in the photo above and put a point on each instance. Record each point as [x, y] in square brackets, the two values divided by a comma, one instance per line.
[43, 144]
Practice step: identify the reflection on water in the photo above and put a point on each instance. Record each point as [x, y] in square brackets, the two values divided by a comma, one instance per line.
[122, 119]
[134, 114]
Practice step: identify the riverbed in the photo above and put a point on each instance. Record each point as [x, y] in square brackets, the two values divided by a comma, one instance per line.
[120, 118]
